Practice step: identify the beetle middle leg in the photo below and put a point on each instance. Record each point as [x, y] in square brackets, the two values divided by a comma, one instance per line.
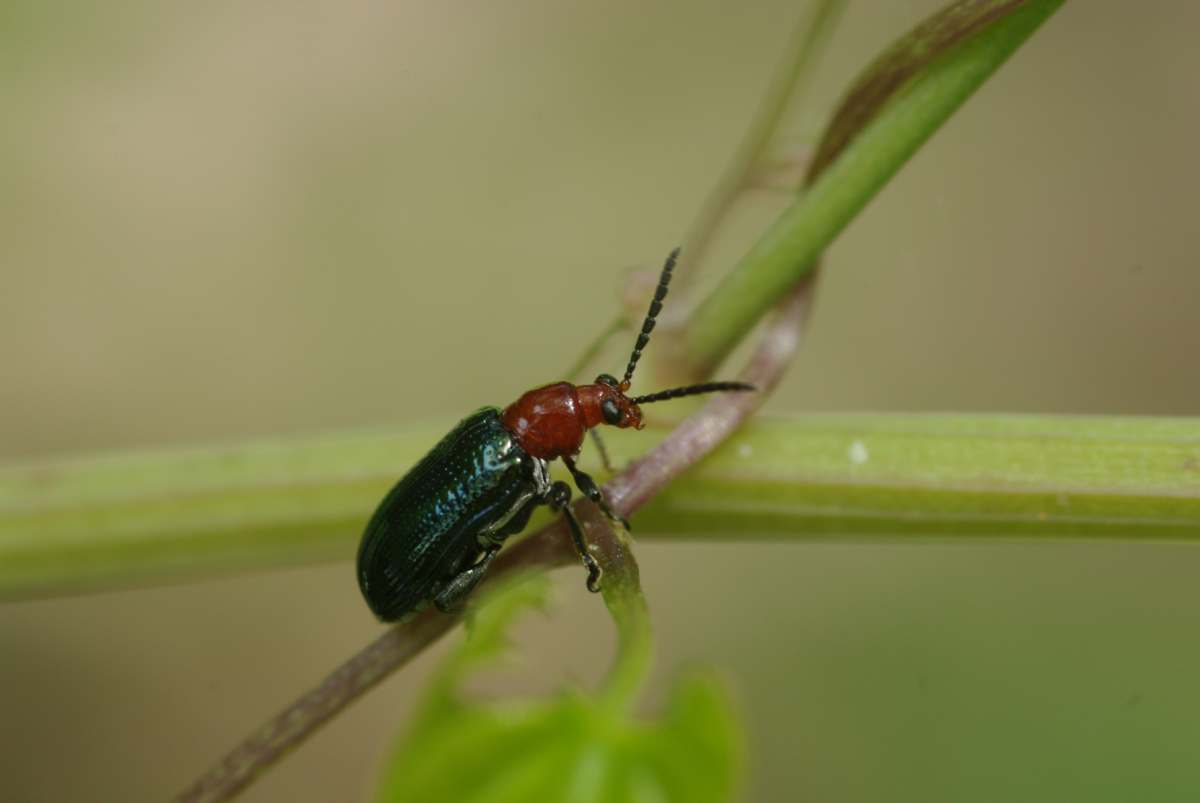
[559, 498]
[451, 597]
[588, 487]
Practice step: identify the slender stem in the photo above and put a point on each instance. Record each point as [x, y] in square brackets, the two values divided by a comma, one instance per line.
[695, 437]
[623, 595]
[594, 349]
[549, 546]
[298, 721]
[804, 50]
[700, 433]
[635, 644]
[898, 103]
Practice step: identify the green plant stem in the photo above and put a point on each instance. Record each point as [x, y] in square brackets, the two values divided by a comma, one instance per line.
[888, 114]
[635, 647]
[87, 524]
[592, 353]
[803, 53]
[951, 476]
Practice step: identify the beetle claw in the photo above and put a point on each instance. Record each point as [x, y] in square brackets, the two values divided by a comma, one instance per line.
[594, 575]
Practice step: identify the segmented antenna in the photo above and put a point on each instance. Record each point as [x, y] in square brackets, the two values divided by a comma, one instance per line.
[660, 293]
[692, 390]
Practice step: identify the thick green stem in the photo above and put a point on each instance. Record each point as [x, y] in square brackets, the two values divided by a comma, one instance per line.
[86, 524]
[900, 476]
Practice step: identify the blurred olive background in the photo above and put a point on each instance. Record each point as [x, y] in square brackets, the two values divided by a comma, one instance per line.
[235, 220]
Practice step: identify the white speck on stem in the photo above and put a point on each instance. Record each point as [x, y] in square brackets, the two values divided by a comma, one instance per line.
[745, 450]
[858, 453]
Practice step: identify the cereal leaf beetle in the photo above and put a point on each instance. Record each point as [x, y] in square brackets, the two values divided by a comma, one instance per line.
[436, 532]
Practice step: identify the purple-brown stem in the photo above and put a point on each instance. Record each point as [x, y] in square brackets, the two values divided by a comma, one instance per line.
[700, 433]
[695, 437]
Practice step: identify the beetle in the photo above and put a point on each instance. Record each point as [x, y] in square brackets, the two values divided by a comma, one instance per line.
[436, 532]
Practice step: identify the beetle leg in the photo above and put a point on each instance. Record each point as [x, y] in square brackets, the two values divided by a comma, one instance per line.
[454, 593]
[587, 486]
[559, 498]
[604, 461]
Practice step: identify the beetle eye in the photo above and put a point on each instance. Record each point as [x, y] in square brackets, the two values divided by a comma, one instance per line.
[606, 379]
[611, 412]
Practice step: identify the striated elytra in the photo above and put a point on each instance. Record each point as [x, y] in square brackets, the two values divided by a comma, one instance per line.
[436, 532]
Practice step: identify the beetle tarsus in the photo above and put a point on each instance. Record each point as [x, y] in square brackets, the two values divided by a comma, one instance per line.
[559, 498]
[594, 575]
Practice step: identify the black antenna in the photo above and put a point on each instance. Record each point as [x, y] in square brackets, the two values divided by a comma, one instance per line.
[660, 293]
[692, 390]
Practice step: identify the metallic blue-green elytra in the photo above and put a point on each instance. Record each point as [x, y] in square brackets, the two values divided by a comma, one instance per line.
[473, 490]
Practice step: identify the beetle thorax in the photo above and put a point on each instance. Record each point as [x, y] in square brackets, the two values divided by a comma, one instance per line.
[547, 422]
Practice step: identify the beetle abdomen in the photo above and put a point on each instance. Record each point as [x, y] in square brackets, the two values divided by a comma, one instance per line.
[427, 527]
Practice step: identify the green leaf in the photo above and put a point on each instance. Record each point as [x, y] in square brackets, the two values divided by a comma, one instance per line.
[889, 112]
[569, 748]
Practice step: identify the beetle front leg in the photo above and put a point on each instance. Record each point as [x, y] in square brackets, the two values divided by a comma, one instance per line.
[559, 498]
[588, 487]
[453, 595]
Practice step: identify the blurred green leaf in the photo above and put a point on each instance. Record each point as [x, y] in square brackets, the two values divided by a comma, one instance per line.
[571, 747]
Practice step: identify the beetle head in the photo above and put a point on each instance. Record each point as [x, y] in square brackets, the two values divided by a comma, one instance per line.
[615, 407]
